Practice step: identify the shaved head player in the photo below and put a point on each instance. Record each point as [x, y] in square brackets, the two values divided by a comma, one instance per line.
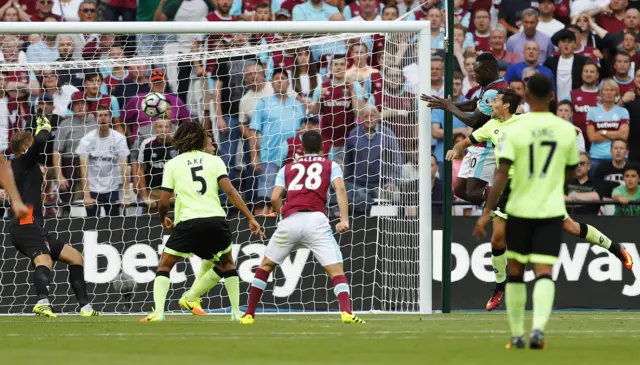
[479, 164]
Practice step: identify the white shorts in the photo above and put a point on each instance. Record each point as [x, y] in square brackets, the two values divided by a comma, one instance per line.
[304, 229]
[479, 162]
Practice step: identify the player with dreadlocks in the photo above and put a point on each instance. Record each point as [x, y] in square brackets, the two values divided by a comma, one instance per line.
[200, 226]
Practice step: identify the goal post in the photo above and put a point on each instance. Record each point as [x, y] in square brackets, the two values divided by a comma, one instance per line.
[388, 256]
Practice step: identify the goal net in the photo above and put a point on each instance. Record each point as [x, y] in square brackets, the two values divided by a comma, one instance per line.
[256, 93]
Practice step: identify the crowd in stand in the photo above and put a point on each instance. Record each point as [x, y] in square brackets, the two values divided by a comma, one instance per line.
[360, 93]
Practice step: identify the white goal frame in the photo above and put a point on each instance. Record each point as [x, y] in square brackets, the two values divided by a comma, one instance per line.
[423, 28]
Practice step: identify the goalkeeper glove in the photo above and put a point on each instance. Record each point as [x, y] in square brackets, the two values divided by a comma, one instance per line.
[42, 123]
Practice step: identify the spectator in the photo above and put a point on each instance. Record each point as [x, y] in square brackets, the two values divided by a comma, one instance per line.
[324, 52]
[61, 94]
[294, 144]
[512, 12]
[313, 10]
[103, 166]
[228, 88]
[43, 10]
[150, 44]
[213, 41]
[121, 9]
[405, 6]
[94, 97]
[263, 11]
[482, 33]
[531, 59]
[567, 66]
[582, 188]
[612, 39]
[88, 12]
[390, 13]
[276, 119]
[588, 51]
[44, 51]
[610, 174]
[364, 158]
[437, 76]
[287, 5]
[633, 107]
[99, 47]
[548, 25]
[437, 189]
[629, 46]
[461, 15]
[463, 41]
[565, 111]
[11, 51]
[360, 7]
[518, 42]
[629, 192]
[136, 82]
[360, 71]
[399, 112]
[587, 38]
[67, 10]
[436, 17]
[337, 102]
[364, 9]
[621, 68]
[12, 11]
[68, 76]
[519, 87]
[437, 121]
[606, 122]
[613, 20]
[153, 153]
[469, 81]
[497, 43]
[585, 97]
[305, 78]
[258, 89]
[138, 123]
[115, 73]
[65, 160]
[588, 7]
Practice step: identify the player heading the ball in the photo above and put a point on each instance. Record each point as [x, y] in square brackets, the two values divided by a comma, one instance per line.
[27, 232]
[201, 227]
[305, 223]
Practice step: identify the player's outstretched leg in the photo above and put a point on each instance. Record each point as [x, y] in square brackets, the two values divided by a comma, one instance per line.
[595, 237]
[161, 286]
[341, 289]
[516, 291]
[499, 261]
[544, 292]
[43, 264]
[76, 280]
[258, 285]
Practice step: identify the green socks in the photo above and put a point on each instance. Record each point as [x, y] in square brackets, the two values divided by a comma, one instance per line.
[516, 293]
[202, 285]
[596, 237]
[161, 287]
[499, 262]
[544, 292]
[206, 266]
[232, 284]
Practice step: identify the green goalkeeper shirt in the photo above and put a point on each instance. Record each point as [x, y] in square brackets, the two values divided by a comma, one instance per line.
[194, 177]
[541, 146]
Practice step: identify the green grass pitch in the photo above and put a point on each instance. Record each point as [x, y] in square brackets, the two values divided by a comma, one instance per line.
[475, 338]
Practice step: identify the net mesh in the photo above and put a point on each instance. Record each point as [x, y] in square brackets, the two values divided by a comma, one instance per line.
[104, 162]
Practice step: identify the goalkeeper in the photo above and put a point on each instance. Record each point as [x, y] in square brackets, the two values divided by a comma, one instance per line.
[28, 234]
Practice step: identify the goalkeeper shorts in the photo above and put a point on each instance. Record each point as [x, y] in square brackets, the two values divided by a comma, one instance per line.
[32, 241]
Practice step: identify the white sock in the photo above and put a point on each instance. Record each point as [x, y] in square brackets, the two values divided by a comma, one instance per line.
[43, 301]
[86, 308]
